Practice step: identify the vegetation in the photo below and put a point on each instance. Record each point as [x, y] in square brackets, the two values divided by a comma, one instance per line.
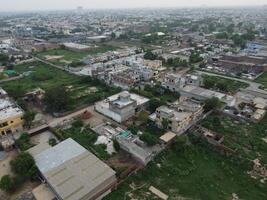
[85, 137]
[158, 95]
[262, 79]
[24, 168]
[57, 100]
[223, 84]
[195, 57]
[149, 139]
[77, 88]
[24, 165]
[116, 145]
[24, 142]
[209, 175]
[245, 138]
[212, 103]
[150, 56]
[7, 183]
[28, 118]
[72, 57]
[52, 142]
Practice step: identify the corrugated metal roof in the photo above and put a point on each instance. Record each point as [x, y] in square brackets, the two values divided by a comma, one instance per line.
[73, 172]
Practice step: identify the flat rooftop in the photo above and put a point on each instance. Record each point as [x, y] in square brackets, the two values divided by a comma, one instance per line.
[203, 92]
[76, 45]
[73, 172]
[139, 99]
[9, 110]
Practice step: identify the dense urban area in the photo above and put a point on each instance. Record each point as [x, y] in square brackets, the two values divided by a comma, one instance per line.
[134, 104]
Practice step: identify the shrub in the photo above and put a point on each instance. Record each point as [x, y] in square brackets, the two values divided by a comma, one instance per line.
[7, 183]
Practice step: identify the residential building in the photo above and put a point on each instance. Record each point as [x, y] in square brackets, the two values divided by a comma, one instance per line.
[178, 117]
[122, 106]
[11, 115]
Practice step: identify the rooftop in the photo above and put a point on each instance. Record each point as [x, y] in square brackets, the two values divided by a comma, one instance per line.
[9, 110]
[72, 171]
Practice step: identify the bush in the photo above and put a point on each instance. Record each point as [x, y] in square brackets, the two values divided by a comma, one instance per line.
[52, 142]
[7, 183]
[116, 145]
[24, 165]
[78, 123]
[149, 139]
[24, 142]
[211, 104]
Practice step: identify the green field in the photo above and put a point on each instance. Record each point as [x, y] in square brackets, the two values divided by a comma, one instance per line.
[68, 56]
[191, 172]
[246, 138]
[223, 84]
[262, 79]
[85, 137]
[81, 89]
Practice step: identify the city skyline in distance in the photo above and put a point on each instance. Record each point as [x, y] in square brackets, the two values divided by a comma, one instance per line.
[31, 5]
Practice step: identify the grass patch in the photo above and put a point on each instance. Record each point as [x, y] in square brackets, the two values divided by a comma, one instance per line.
[68, 56]
[47, 77]
[85, 137]
[223, 84]
[244, 137]
[262, 79]
[192, 171]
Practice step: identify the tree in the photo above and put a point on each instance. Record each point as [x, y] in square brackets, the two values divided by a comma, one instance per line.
[116, 145]
[143, 117]
[149, 139]
[24, 142]
[221, 85]
[150, 56]
[7, 183]
[4, 58]
[165, 124]
[208, 83]
[28, 118]
[211, 104]
[134, 129]
[24, 165]
[154, 103]
[195, 58]
[57, 99]
[113, 35]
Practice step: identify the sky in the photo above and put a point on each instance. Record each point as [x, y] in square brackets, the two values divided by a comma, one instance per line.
[27, 5]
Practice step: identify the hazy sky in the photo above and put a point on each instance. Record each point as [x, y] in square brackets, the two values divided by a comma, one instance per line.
[21, 5]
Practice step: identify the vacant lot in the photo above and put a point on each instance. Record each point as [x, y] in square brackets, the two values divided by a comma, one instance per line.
[246, 138]
[65, 56]
[193, 172]
[223, 84]
[81, 89]
[262, 79]
[85, 137]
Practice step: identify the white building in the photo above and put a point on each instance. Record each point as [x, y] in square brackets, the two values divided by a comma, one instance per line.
[122, 106]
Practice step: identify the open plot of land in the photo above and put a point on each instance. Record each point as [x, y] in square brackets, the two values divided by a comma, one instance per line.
[85, 137]
[223, 84]
[262, 79]
[193, 172]
[246, 138]
[81, 90]
[65, 56]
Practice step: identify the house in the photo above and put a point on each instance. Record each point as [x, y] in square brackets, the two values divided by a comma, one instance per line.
[74, 173]
[122, 106]
[178, 117]
[11, 115]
